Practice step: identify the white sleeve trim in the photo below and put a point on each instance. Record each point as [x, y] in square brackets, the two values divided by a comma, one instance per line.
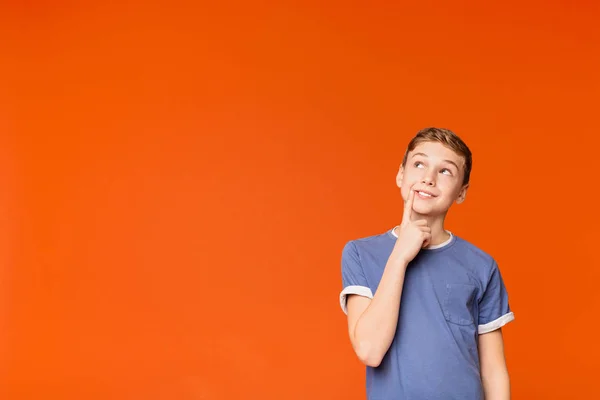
[496, 324]
[359, 290]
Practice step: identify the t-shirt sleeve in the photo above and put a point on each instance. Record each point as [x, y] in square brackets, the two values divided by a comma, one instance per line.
[494, 310]
[353, 277]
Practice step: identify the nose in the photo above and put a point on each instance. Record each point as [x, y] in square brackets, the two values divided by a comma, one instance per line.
[428, 180]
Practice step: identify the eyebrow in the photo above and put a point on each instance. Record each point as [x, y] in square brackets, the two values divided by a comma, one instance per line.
[448, 161]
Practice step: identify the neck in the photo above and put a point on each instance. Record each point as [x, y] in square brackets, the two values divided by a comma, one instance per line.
[436, 223]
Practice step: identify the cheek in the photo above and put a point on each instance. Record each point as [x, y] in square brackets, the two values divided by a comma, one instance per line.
[407, 183]
[409, 179]
[450, 191]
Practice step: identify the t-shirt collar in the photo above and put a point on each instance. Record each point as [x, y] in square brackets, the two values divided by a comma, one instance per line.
[437, 246]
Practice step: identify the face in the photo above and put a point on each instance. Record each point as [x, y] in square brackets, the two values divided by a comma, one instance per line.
[436, 172]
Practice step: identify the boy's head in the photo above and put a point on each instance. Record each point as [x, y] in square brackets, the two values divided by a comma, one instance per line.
[437, 164]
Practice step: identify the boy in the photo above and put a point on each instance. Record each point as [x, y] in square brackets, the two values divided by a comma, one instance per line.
[425, 308]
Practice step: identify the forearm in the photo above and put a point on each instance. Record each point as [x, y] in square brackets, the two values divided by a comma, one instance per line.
[376, 327]
[496, 384]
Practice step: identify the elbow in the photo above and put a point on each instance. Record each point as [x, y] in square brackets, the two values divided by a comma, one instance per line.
[369, 355]
[371, 362]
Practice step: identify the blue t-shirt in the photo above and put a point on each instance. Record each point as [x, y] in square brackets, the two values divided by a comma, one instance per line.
[452, 293]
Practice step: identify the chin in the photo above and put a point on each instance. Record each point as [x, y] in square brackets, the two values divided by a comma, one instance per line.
[428, 211]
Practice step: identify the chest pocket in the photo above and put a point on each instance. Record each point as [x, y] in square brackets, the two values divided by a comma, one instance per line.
[458, 303]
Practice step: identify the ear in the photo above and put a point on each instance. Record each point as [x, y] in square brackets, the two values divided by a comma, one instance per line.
[462, 194]
[400, 176]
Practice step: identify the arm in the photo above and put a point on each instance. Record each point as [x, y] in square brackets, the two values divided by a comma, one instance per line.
[494, 373]
[372, 323]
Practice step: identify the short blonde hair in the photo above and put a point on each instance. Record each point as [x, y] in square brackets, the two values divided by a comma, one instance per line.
[448, 139]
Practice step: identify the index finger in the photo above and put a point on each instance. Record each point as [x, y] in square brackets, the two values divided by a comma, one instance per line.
[408, 205]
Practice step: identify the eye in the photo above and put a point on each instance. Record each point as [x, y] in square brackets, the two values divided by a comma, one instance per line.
[418, 164]
[446, 171]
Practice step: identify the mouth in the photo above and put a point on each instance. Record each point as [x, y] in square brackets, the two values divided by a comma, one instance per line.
[425, 195]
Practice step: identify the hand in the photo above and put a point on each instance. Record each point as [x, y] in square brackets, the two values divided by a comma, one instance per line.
[412, 235]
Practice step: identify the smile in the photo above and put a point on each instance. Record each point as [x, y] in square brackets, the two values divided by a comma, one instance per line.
[424, 195]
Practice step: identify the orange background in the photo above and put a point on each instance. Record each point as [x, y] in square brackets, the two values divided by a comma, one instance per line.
[178, 181]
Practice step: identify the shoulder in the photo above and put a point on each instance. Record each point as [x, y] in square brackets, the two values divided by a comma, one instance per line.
[473, 252]
[367, 244]
[477, 259]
